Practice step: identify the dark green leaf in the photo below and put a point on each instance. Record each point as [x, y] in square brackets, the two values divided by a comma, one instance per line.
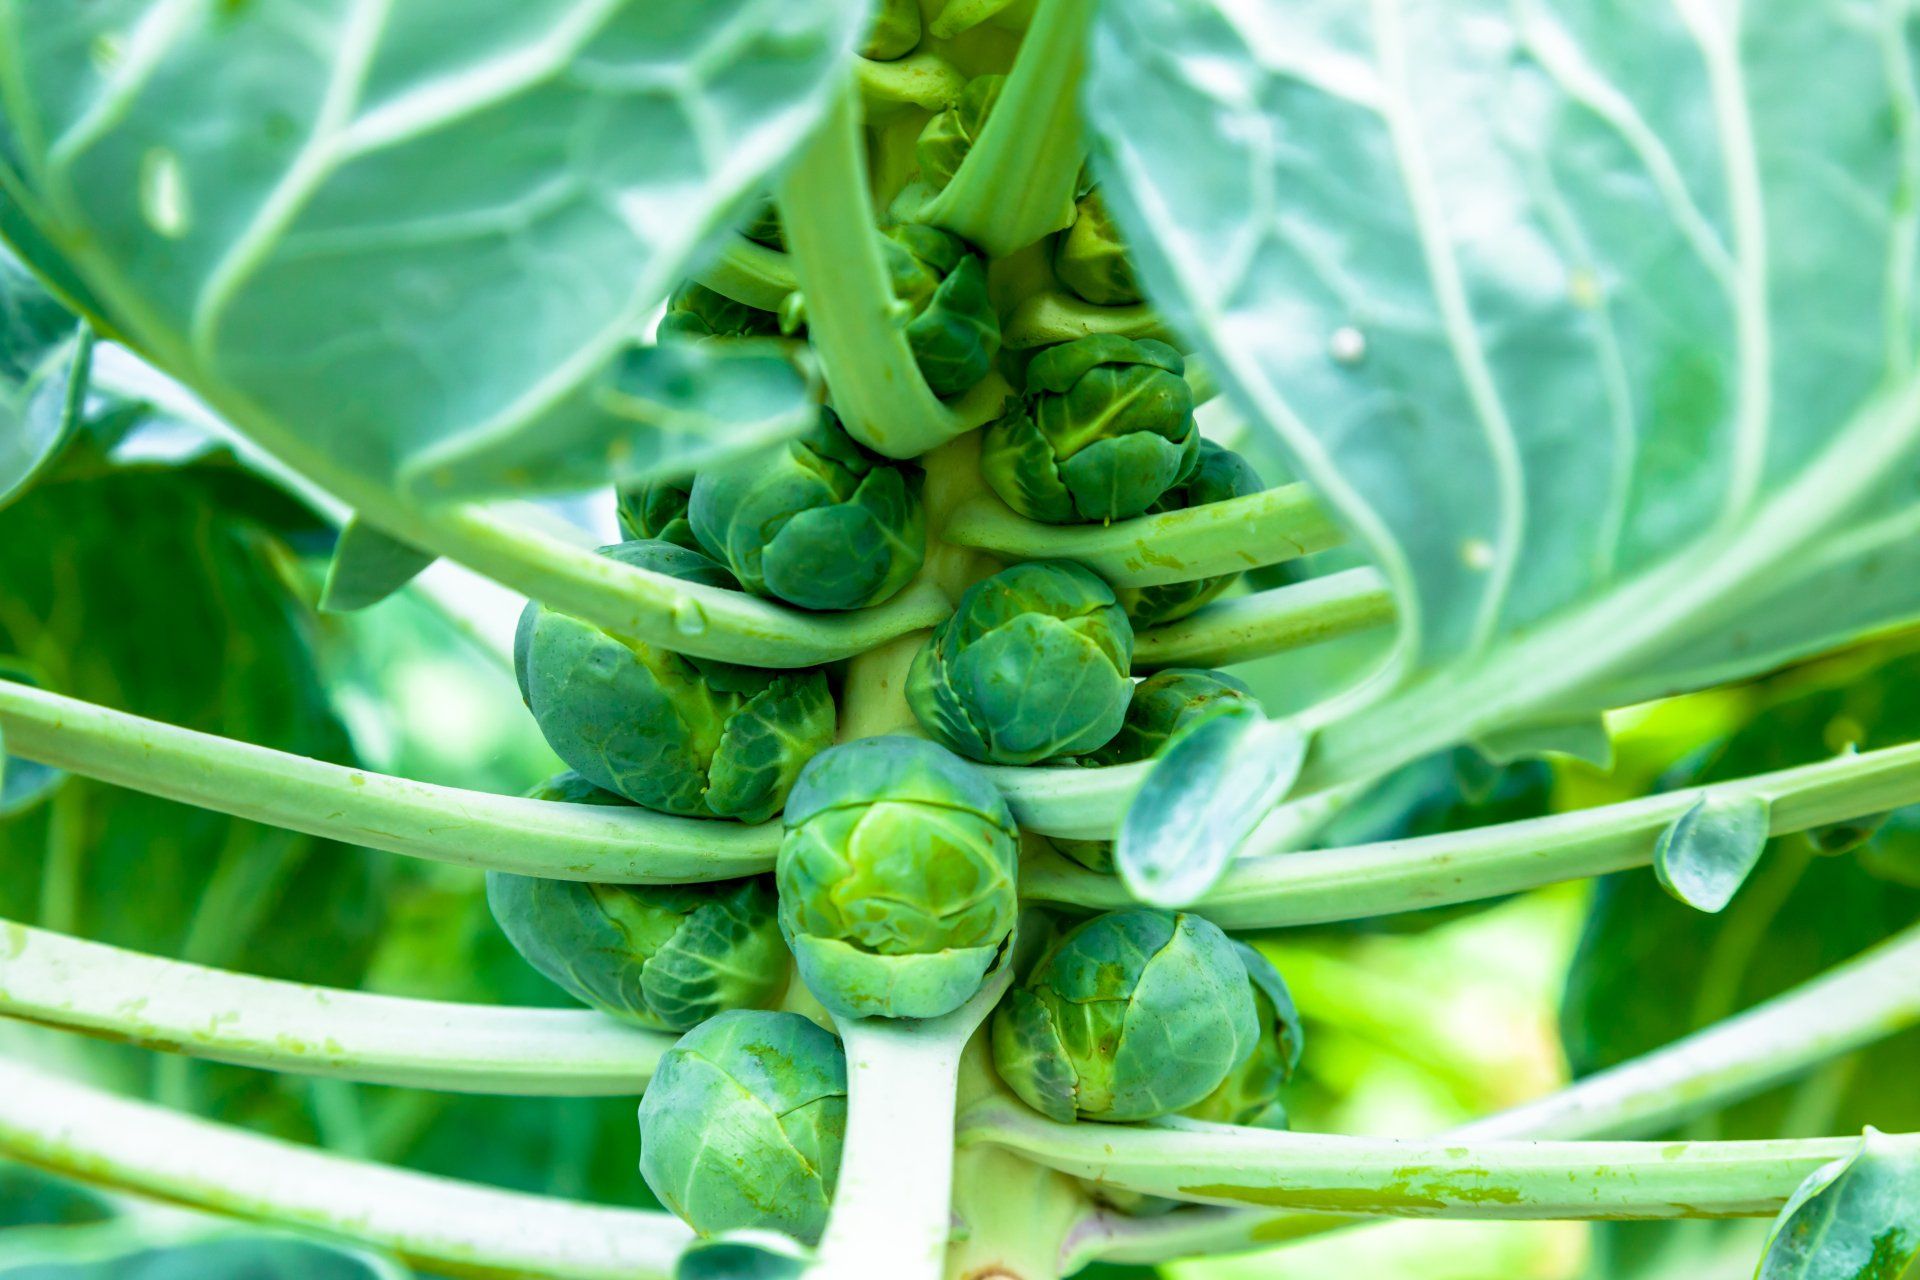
[367, 567]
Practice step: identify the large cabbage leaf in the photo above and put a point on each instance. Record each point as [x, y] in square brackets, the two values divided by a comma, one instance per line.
[1596, 329]
[403, 235]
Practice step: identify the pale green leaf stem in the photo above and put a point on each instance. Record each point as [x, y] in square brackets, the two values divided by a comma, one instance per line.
[1276, 620]
[57, 981]
[442, 1224]
[1047, 318]
[1269, 527]
[924, 80]
[750, 272]
[358, 806]
[1855, 1004]
[1270, 887]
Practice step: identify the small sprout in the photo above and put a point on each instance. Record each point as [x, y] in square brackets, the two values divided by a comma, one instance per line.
[763, 224]
[895, 32]
[897, 890]
[1092, 260]
[951, 325]
[674, 733]
[950, 135]
[1105, 430]
[657, 510]
[818, 521]
[1250, 1095]
[1032, 665]
[695, 312]
[1219, 475]
[743, 1123]
[662, 956]
[1168, 703]
[1129, 1016]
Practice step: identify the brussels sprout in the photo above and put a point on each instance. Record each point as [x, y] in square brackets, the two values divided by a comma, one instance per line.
[763, 224]
[949, 136]
[952, 327]
[695, 311]
[657, 510]
[895, 31]
[1130, 1015]
[1250, 1094]
[1105, 429]
[1032, 665]
[570, 788]
[743, 1123]
[663, 956]
[1167, 703]
[818, 521]
[1092, 260]
[1220, 474]
[896, 875]
[674, 733]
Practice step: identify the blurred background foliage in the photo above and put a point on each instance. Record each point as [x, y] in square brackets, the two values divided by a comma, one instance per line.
[155, 572]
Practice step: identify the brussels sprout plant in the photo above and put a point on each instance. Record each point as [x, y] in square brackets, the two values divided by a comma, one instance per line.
[977, 778]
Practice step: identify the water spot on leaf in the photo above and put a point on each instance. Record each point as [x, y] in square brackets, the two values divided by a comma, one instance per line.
[1347, 345]
[164, 200]
[689, 619]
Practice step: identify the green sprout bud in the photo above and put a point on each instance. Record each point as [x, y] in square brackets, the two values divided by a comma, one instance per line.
[941, 285]
[949, 136]
[1031, 666]
[657, 510]
[1091, 258]
[818, 521]
[897, 890]
[1250, 1095]
[1220, 474]
[895, 31]
[661, 956]
[695, 311]
[743, 1124]
[1105, 429]
[1130, 1015]
[671, 732]
[762, 225]
[1171, 702]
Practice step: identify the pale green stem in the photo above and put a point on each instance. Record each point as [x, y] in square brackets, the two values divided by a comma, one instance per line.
[924, 80]
[442, 1224]
[1048, 318]
[1279, 889]
[750, 272]
[1417, 1178]
[852, 318]
[63, 982]
[357, 806]
[1017, 181]
[1208, 541]
[893, 1206]
[1853, 1005]
[1277, 620]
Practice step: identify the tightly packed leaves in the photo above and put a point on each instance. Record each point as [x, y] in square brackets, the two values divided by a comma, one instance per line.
[947, 138]
[897, 878]
[952, 328]
[1092, 258]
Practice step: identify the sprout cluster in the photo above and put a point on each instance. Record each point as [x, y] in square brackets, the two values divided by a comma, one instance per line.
[895, 889]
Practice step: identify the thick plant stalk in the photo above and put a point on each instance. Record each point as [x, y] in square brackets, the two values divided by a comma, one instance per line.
[1279, 889]
[1207, 541]
[1430, 1178]
[1852, 1006]
[57, 981]
[442, 824]
[892, 1209]
[440, 1223]
[1277, 620]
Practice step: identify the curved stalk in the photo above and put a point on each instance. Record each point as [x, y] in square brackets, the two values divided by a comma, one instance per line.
[63, 982]
[441, 1224]
[1268, 622]
[924, 80]
[1047, 318]
[441, 824]
[1219, 538]
[1017, 181]
[1277, 889]
[875, 383]
[892, 1208]
[750, 272]
[1424, 1178]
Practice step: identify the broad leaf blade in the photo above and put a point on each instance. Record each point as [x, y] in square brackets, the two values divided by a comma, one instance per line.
[1855, 1219]
[1549, 307]
[1208, 790]
[1706, 854]
[385, 229]
[743, 1255]
[367, 567]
